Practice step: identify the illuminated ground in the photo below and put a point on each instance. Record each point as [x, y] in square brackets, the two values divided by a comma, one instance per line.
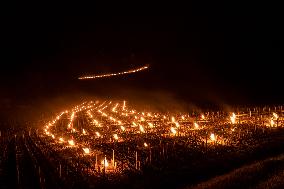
[110, 144]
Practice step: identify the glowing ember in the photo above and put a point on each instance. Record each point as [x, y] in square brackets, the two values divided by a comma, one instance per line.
[114, 109]
[212, 137]
[141, 128]
[105, 163]
[275, 115]
[98, 134]
[115, 136]
[177, 124]
[233, 118]
[272, 122]
[71, 142]
[61, 139]
[151, 125]
[196, 126]
[145, 144]
[86, 150]
[84, 132]
[173, 130]
[123, 107]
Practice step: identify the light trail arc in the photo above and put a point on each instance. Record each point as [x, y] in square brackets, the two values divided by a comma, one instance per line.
[115, 74]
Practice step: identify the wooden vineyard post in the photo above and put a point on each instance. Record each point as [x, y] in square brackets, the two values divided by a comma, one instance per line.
[136, 160]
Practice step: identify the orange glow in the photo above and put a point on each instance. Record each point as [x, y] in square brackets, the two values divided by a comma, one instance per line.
[71, 142]
[275, 115]
[98, 134]
[173, 130]
[212, 137]
[115, 136]
[115, 74]
[233, 118]
[196, 126]
[61, 139]
[141, 128]
[86, 150]
[151, 125]
[105, 162]
[84, 132]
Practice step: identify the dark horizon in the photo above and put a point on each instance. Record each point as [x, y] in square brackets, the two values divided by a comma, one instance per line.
[206, 54]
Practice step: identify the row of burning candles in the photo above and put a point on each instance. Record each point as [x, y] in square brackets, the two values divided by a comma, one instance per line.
[87, 151]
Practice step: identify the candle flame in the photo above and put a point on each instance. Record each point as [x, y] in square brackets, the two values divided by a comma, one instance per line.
[173, 130]
[71, 142]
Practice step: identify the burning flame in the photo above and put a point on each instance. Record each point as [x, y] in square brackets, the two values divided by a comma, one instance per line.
[86, 150]
[275, 115]
[98, 134]
[212, 137]
[196, 126]
[173, 130]
[115, 136]
[114, 109]
[141, 128]
[272, 123]
[151, 125]
[105, 162]
[233, 118]
[123, 107]
[84, 132]
[61, 139]
[71, 142]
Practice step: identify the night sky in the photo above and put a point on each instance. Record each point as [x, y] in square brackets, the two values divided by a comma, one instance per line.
[214, 53]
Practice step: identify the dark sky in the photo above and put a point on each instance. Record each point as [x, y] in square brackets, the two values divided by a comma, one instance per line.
[198, 52]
